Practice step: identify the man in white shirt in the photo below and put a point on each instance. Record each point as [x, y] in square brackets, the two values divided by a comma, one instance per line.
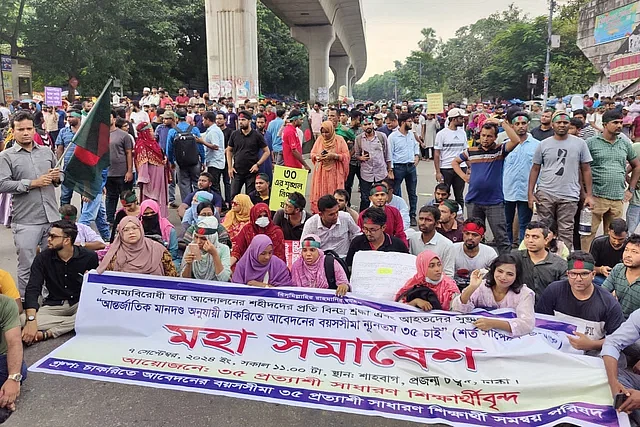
[450, 142]
[335, 228]
[470, 254]
[4, 112]
[146, 98]
[430, 240]
[315, 120]
[137, 115]
[214, 152]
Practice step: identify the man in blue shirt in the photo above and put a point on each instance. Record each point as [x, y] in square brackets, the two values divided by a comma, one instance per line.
[485, 200]
[515, 181]
[161, 133]
[273, 134]
[62, 142]
[215, 158]
[187, 174]
[405, 156]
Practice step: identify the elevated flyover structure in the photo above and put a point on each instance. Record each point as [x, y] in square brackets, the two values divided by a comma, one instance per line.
[333, 32]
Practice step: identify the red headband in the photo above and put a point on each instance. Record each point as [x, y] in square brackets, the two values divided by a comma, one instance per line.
[473, 228]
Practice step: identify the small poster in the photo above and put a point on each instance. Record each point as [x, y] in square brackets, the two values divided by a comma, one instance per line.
[286, 181]
[53, 96]
[435, 103]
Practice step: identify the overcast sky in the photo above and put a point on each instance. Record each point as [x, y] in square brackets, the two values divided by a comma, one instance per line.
[393, 26]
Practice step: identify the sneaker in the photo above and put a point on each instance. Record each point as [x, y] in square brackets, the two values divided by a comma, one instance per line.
[413, 221]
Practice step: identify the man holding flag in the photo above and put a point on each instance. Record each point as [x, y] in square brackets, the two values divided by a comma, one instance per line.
[28, 171]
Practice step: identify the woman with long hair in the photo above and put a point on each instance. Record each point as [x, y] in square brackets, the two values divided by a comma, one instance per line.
[330, 156]
[501, 287]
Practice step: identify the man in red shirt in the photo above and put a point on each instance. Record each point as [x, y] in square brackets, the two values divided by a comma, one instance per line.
[182, 98]
[395, 225]
[291, 143]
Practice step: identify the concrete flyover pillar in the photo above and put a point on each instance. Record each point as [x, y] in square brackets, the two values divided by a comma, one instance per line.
[232, 48]
[340, 66]
[352, 81]
[318, 40]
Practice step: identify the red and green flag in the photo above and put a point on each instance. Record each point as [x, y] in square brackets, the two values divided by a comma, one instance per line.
[83, 172]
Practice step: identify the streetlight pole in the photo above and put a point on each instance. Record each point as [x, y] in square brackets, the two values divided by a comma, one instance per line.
[552, 4]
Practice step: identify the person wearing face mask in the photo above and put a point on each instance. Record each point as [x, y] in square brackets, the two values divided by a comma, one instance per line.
[405, 155]
[501, 287]
[190, 215]
[259, 267]
[214, 260]
[259, 223]
[204, 210]
[372, 149]
[156, 225]
[429, 282]
[313, 269]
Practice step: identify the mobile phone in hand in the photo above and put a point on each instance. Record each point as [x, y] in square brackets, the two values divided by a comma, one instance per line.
[324, 152]
[365, 153]
[195, 250]
[619, 400]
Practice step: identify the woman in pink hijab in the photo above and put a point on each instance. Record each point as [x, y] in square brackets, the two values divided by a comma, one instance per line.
[309, 270]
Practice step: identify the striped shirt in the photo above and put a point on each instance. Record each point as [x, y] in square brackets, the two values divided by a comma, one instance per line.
[485, 184]
[628, 294]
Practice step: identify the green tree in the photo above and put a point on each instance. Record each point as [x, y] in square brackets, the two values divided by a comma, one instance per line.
[11, 17]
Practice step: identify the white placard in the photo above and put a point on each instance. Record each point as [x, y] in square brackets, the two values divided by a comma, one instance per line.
[381, 274]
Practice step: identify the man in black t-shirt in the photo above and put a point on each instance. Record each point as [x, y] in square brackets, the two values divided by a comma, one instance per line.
[607, 250]
[374, 222]
[577, 300]
[545, 130]
[292, 218]
[242, 155]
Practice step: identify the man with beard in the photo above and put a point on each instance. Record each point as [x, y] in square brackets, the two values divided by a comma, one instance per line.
[561, 170]
[205, 183]
[545, 129]
[221, 122]
[261, 127]
[344, 199]
[242, 155]
[394, 225]
[449, 225]
[607, 251]
[262, 193]
[292, 218]
[375, 238]
[539, 266]
[624, 277]
[430, 240]
[405, 155]
[515, 176]
[470, 254]
[372, 150]
[610, 152]
[291, 143]
[74, 118]
[60, 268]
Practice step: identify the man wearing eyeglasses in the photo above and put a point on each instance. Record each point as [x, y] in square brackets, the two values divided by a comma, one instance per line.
[60, 268]
[578, 301]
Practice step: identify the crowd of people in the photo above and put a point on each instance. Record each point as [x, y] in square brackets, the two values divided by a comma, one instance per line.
[551, 166]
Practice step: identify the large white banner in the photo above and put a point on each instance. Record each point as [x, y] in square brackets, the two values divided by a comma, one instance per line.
[313, 349]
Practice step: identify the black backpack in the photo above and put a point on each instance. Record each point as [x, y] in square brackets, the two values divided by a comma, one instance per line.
[329, 270]
[186, 149]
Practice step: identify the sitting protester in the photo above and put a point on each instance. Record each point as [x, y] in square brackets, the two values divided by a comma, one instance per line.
[501, 287]
[132, 252]
[60, 268]
[553, 244]
[157, 227]
[312, 270]
[429, 288]
[378, 197]
[260, 224]
[86, 236]
[258, 266]
[130, 207]
[343, 199]
[211, 261]
[291, 219]
[190, 215]
[607, 250]
[13, 369]
[204, 210]
[238, 216]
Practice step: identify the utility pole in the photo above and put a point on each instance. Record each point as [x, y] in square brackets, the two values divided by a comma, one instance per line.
[552, 5]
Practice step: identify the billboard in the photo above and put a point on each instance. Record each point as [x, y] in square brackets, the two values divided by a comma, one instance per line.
[615, 24]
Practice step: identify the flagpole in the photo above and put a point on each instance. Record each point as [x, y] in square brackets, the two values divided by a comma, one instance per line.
[106, 87]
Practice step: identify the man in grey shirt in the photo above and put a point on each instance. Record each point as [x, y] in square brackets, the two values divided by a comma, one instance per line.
[558, 163]
[120, 173]
[28, 172]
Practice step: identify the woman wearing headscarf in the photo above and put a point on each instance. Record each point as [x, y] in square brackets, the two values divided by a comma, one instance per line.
[155, 224]
[131, 252]
[309, 270]
[429, 282]
[238, 216]
[258, 266]
[206, 209]
[215, 257]
[151, 168]
[130, 207]
[330, 155]
[260, 223]
[191, 215]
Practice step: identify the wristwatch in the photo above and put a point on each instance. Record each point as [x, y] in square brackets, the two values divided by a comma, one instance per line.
[31, 318]
[15, 377]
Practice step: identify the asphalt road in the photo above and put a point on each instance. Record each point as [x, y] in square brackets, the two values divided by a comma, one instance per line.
[59, 401]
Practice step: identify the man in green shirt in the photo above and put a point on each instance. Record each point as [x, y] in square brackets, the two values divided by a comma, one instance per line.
[610, 152]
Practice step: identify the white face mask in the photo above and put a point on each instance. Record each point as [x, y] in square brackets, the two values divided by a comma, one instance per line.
[262, 222]
[432, 282]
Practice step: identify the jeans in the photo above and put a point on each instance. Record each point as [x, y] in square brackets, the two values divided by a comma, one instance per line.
[451, 178]
[633, 218]
[66, 194]
[365, 188]
[562, 211]
[406, 172]
[524, 217]
[188, 180]
[354, 170]
[4, 369]
[247, 180]
[115, 186]
[172, 185]
[95, 211]
[495, 216]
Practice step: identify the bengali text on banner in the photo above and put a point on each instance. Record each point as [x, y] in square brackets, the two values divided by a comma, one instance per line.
[313, 349]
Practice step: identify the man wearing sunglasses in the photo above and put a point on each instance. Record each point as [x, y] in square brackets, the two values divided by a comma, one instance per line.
[578, 300]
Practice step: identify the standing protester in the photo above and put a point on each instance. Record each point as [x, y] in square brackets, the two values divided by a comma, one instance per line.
[330, 155]
[610, 152]
[450, 142]
[391, 124]
[273, 130]
[291, 144]
[184, 147]
[65, 136]
[372, 150]
[350, 138]
[242, 155]
[28, 172]
[559, 162]
[120, 171]
[161, 134]
[221, 122]
[405, 155]
[214, 143]
[545, 130]
[431, 128]
[315, 120]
